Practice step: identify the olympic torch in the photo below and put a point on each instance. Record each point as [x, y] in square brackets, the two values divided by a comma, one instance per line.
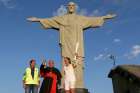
[76, 50]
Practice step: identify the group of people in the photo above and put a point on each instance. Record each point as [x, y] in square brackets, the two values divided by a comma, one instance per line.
[51, 77]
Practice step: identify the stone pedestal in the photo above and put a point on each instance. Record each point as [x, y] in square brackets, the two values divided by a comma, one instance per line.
[77, 90]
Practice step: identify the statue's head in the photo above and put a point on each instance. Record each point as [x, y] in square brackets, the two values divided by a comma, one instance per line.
[71, 7]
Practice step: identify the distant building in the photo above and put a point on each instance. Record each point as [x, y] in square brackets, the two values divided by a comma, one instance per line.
[126, 78]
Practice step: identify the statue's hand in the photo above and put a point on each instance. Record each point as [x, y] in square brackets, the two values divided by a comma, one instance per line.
[109, 16]
[33, 19]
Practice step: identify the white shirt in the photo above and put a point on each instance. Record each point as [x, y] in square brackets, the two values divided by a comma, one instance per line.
[69, 73]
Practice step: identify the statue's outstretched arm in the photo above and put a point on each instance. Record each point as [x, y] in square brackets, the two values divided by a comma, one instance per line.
[109, 16]
[34, 19]
[46, 22]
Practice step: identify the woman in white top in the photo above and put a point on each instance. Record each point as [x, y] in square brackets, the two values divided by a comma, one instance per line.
[69, 76]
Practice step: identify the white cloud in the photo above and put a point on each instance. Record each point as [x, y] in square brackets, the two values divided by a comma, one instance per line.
[96, 12]
[82, 12]
[9, 3]
[60, 11]
[116, 40]
[99, 57]
[63, 10]
[102, 56]
[105, 49]
[135, 51]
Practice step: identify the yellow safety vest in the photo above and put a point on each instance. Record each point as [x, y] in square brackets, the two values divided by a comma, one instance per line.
[27, 77]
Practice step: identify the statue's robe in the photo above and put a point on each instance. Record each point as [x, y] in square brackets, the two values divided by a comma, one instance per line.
[71, 27]
[52, 77]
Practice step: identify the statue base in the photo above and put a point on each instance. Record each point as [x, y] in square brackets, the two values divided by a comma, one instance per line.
[77, 90]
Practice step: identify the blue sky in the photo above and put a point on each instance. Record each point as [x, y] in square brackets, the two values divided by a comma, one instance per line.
[21, 40]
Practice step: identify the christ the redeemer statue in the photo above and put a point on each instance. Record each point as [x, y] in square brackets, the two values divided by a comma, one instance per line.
[71, 27]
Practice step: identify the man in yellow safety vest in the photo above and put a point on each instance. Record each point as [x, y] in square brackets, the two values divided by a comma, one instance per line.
[31, 78]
